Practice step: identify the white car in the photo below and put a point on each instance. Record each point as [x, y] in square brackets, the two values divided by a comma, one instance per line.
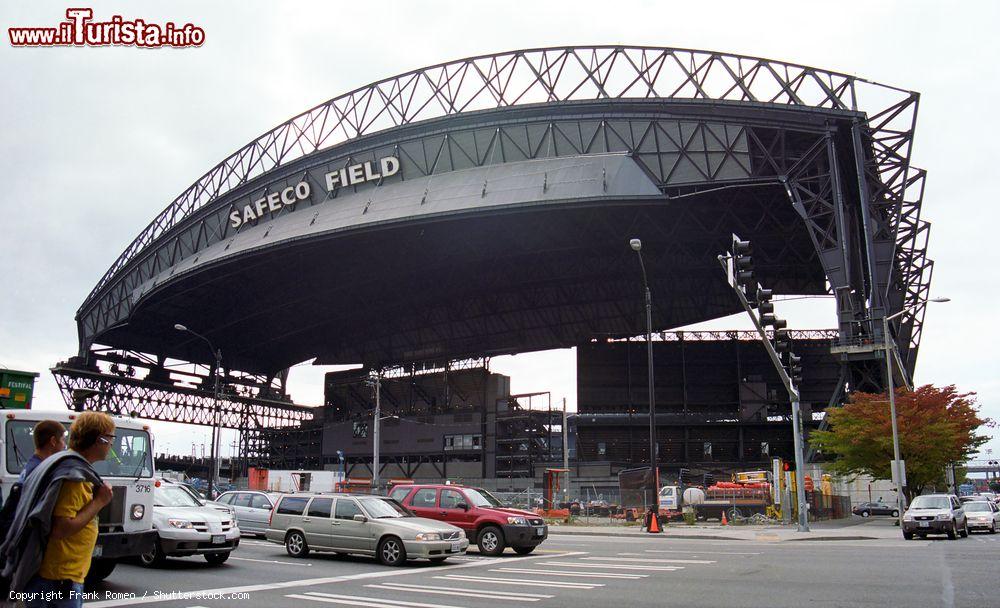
[184, 526]
[982, 515]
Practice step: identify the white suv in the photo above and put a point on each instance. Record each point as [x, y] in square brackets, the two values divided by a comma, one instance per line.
[185, 526]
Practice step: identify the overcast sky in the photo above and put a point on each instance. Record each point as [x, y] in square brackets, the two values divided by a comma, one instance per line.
[96, 141]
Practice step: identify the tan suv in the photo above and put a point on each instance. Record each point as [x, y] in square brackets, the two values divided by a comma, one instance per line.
[368, 525]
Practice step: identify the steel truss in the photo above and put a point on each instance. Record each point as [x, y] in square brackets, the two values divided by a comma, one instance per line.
[156, 397]
[890, 190]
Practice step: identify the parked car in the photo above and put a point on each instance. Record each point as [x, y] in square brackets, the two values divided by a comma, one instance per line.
[867, 509]
[218, 506]
[983, 515]
[935, 514]
[184, 526]
[364, 524]
[974, 498]
[252, 507]
[482, 516]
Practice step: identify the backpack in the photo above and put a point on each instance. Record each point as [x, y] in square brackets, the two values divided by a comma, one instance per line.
[6, 519]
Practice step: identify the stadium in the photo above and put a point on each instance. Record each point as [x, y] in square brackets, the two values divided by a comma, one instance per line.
[424, 223]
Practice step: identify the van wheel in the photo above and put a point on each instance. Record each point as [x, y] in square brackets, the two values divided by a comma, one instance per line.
[908, 535]
[295, 544]
[523, 550]
[391, 551]
[965, 530]
[491, 541]
[217, 559]
[953, 531]
[155, 558]
[100, 569]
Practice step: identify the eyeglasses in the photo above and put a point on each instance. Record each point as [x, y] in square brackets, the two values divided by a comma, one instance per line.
[106, 439]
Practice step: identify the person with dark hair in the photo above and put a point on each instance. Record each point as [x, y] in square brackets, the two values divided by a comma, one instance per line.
[50, 542]
[48, 438]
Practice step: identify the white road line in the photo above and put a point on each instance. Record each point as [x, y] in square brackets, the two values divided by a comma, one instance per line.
[613, 566]
[271, 561]
[354, 600]
[519, 582]
[477, 593]
[568, 573]
[698, 552]
[649, 560]
[307, 582]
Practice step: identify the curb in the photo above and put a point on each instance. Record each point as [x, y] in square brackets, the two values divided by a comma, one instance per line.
[643, 535]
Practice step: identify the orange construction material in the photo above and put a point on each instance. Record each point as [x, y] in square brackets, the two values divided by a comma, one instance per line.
[653, 523]
[725, 522]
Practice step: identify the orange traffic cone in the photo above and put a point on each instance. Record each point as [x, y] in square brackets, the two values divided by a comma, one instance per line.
[725, 522]
[653, 527]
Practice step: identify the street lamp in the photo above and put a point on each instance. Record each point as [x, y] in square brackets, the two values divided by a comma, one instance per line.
[216, 434]
[892, 402]
[636, 246]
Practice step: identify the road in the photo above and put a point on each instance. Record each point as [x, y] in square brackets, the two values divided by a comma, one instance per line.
[575, 570]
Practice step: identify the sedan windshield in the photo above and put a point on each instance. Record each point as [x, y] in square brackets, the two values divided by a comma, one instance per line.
[379, 508]
[172, 496]
[977, 506]
[482, 498]
[931, 502]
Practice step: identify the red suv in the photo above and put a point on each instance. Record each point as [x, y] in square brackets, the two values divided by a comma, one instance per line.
[483, 517]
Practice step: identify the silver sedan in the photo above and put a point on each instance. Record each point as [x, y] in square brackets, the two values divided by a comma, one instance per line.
[982, 515]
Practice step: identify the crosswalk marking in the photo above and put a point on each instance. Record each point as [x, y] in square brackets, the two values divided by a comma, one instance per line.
[354, 600]
[270, 561]
[649, 560]
[478, 593]
[574, 574]
[614, 566]
[520, 582]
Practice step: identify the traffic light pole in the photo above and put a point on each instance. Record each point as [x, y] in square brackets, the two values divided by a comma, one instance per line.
[793, 395]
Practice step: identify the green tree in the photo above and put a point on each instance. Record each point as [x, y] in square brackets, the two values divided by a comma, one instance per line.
[937, 426]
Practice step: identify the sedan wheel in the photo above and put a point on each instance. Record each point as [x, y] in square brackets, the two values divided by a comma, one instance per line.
[865, 514]
[391, 551]
[895, 513]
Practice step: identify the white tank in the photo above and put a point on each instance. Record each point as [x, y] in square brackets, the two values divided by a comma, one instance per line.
[694, 496]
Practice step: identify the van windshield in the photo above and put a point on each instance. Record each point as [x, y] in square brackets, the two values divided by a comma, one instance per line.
[130, 455]
[931, 502]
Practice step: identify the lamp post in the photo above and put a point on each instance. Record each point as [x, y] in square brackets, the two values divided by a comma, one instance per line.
[636, 246]
[892, 403]
[216, 434]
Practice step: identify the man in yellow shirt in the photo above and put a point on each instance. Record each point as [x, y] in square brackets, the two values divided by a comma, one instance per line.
[59, 581]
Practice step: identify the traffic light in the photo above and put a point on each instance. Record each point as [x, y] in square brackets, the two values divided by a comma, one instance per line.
[788, 466]
[743, 267]
[793, 366]
[782, 341]
[763, 300]
[770, 319]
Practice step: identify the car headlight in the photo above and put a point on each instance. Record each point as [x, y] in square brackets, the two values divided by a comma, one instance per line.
[517, 521]
[429, 536]
[907, 517]
[461, 533]
[179, 523]
[138, 511]
[944, 516]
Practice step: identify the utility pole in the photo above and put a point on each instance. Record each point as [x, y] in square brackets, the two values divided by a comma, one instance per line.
[377, 382]
[565, 450]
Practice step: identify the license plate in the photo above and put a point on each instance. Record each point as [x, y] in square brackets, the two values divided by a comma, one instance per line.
[218, 539]
[925, 524]
[456, 547]
[539, 531]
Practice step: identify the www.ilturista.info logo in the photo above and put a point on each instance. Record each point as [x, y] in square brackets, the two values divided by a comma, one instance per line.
[80, 30]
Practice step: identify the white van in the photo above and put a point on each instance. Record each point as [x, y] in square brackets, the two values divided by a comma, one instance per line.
[126, 523]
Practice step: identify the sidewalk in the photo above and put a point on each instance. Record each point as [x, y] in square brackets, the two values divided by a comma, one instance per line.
[842, 530]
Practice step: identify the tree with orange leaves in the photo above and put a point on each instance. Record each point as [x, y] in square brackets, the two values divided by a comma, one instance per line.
[937, 426]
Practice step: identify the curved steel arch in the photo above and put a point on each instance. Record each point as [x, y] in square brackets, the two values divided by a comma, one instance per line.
[546, 75]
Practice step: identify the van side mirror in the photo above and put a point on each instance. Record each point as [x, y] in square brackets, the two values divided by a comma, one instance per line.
[463, 506]
[361, 518]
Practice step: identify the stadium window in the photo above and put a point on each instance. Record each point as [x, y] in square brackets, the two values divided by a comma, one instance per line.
[477, 441]
[602, 449]
[707, 450]
[765, 448]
